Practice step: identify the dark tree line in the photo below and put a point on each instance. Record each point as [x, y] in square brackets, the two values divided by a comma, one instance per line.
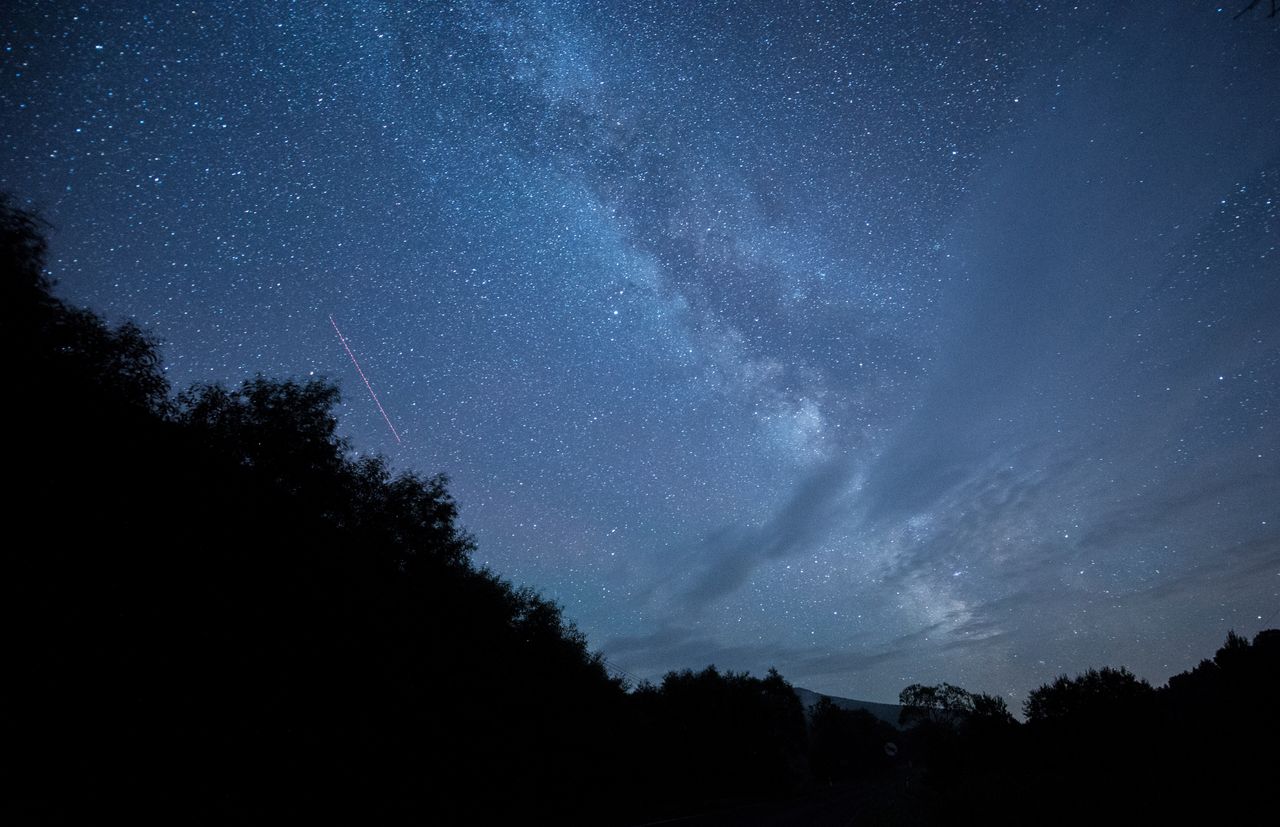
[726, 736]
[215, 612]
[1107, 745]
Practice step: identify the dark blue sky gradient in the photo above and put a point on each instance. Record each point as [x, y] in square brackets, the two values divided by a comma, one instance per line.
[880, 342]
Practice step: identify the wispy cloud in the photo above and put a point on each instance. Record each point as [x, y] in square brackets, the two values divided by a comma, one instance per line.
[729, 556]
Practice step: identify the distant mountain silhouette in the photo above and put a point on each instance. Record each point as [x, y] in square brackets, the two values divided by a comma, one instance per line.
[885, 712]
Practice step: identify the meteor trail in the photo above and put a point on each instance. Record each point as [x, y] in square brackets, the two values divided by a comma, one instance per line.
[376, 401]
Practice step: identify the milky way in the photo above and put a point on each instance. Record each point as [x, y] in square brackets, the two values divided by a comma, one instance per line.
[879, 342]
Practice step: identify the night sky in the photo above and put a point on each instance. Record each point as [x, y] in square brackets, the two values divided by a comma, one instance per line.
[880, 342]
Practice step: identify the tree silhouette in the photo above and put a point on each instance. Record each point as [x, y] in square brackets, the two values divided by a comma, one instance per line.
[943, 704]
[714, 736]
[990, 710]
[56, 349]
[215, 612]
[846, 744]
[274, 628]
[1095, 693]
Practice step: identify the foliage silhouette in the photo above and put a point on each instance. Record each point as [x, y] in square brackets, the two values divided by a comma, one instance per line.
[941, 704]
[274, 627]
[215, 612]
[847, 744]
[713, 737]
[1106, 742]
[1097, 693]
[990, 711]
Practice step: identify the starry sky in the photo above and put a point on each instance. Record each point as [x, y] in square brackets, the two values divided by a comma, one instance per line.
[880, 342]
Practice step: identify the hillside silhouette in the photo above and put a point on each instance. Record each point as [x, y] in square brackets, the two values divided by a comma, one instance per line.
[215, 612]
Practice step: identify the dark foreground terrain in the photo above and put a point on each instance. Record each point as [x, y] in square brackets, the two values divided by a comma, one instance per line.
[215, 612]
